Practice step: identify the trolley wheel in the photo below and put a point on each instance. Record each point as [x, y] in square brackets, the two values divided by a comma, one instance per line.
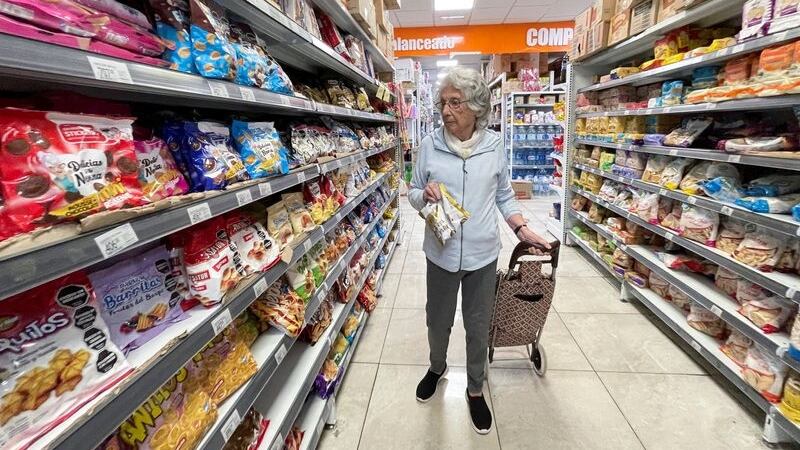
[539, 359]
[491, 354]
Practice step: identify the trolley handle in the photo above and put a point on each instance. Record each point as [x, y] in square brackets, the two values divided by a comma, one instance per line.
[522, 249]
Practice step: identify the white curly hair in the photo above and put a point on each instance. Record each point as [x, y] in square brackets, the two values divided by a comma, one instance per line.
[475, 91]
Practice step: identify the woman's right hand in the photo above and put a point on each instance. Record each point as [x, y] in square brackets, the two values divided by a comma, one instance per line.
[432, 194]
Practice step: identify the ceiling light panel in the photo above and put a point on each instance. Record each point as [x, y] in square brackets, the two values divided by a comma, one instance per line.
[452, 5]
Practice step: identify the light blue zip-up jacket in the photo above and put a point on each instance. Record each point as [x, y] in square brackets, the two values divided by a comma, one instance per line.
[480, 184]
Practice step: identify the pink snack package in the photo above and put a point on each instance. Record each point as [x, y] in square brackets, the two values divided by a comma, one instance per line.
[16, 28]
[118, 10]
[158, 173]
[785, 16]
[130, 37]
[58, 15]
[756, 17]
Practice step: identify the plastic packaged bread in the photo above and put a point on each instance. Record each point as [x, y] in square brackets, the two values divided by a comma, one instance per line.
[727, 281]
[56, 356]
[765, 373]
[731, 234]
[759, 249]
[736, 347]
[705, 321]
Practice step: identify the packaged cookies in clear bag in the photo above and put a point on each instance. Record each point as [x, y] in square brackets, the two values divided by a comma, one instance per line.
[56, 355]
[445, 216]
[212, 261]
[56, 167]
[257, 250]
[759, 249]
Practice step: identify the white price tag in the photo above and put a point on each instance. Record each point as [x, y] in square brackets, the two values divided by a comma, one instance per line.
[260, 287]
[790, 293]
[320, 426]
[265, 189]
[668, 236]
[325, 287]
[198, 213]
[738, 48]
[727, 210]
[230, 425]
[691, 200]
[218, 89]
[734, 158]
[782, 35]
[673, 152]
[623, 247]
[301, 177]
[668, 109]
[648, 111]
[285, 100]
[244, 197]
[280, 353]
[696, 346]
[711, 105]
[115, 241]
[107, 70]
[222, 320]
[306, 245]
[716, 310]
[627, 112]
[662, 192]
[278, 444]
[247, 94]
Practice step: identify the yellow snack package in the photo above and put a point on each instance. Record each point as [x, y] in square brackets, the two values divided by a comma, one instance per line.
[445, 216]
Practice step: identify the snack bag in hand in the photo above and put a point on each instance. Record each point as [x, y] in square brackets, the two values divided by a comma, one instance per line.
[445, 216]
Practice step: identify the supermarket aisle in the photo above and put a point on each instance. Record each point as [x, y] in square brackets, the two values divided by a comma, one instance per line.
[613, 381]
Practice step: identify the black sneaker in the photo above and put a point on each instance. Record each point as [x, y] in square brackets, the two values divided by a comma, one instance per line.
[480, 414]
[427, 387]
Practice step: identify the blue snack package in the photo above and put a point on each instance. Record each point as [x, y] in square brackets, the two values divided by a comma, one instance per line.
[211, 156]
[251, 66]
[172, 133]
[214, 56]
[181, 57]
[277, 80]
[721, 188]
[260, 148]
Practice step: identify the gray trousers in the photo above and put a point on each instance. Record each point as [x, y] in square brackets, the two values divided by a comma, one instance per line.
[477, 300]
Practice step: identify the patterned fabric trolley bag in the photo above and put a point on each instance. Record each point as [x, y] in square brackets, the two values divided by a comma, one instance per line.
[522, 301]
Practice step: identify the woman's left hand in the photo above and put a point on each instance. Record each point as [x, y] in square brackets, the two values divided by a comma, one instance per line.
[526, 235]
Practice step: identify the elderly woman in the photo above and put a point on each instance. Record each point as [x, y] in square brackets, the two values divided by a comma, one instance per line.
[471, 163]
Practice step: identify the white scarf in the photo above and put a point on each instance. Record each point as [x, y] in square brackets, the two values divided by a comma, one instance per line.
[463, 148]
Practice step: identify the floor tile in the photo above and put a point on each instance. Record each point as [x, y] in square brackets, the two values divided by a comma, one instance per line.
[415, 262]
[683, 411]
[561, 350]
[395, 420]
[407, 340]
[412, 291]
[574, 265]
[389, 290]
[588, 295]
[396, 263]
[351, 408]
[371, 343]
[562, 410]
[627, 343]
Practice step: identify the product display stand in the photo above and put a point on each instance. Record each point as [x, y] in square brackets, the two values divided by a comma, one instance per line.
[589, 207]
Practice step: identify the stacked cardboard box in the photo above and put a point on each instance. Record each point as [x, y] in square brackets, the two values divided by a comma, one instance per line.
[364, 13]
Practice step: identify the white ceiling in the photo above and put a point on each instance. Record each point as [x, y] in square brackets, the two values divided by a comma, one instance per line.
[420, 13]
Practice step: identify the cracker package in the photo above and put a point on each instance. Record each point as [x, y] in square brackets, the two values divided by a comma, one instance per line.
[445, 216]
[736, 347]
[56, 167]
[261, 149]
[55, 356]
[257, 250]
[765, 373]
[759, 249]
[299, 217]
[212, 261]
[224, 365]
[177, 415]
[280, 307]
[279, 225]
[699, 224]
[705, 321]
[138, 297]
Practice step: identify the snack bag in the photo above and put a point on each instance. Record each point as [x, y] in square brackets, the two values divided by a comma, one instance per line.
[301, 278]
[224, 365]
[316, 203]
[672, 174]
[727, 281]
[772, 186]
[736, 347]
[765, 373]
[705, 321]
[138, 297]
[658, 285]
[213, 264]
[765, 309]
[794, 340]
[678, 298]
[647, 207]
[319, 322]
[257, 250]
[759, 249]
[56, 167]
[55, 357]
[214, 56]
[158, 174]
[249, 433]
[279, 225]
[699, 224]
[790, 403]
[692, 182]
[208, 150]
[280, 307]
[444, 217]
[260, 147]
[299, 217]
[774, 205]
[731, 234]
[180, 58]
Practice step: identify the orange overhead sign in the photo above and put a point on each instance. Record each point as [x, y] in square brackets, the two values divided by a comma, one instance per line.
[487, 39]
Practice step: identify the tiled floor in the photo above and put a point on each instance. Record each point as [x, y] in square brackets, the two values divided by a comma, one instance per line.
[614, 381]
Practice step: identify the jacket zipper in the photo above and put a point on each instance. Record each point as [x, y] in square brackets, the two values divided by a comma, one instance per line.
[463, 196]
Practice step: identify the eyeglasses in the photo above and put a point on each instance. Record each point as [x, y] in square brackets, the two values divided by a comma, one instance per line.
[453, 103]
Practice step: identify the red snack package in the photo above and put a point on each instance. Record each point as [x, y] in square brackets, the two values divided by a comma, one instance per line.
[212, 261]
[257, 250]
[55, 356]
[56, 167]
[331, 36]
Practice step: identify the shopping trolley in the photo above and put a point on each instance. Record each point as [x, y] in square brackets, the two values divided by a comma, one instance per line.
[522, 300]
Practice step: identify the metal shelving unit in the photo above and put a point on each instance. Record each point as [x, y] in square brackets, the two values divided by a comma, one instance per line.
[582, 75]
[511, 132]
